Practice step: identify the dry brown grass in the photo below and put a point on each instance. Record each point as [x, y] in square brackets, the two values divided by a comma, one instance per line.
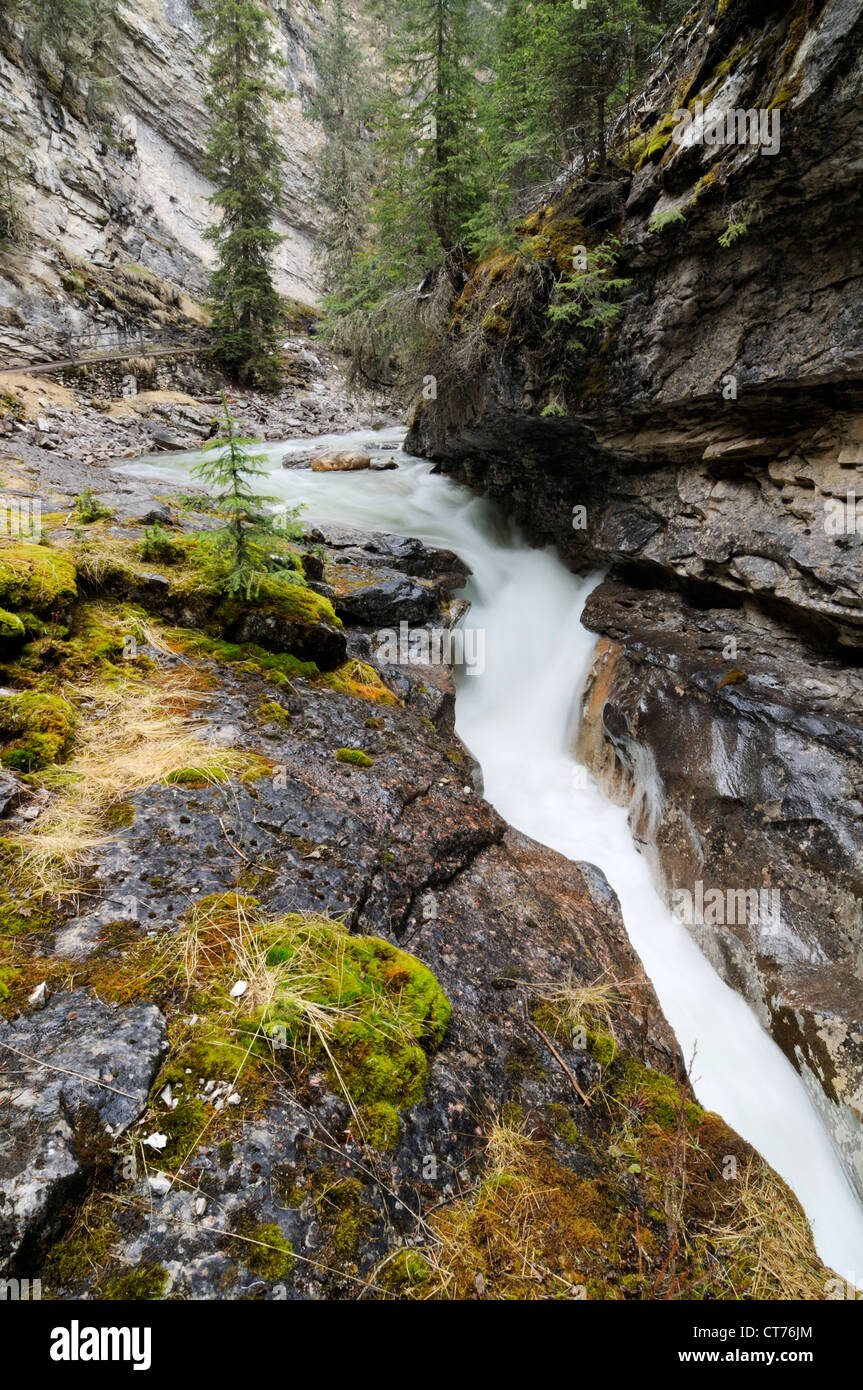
[569, 1005]
[769, 1241]
[131, 734]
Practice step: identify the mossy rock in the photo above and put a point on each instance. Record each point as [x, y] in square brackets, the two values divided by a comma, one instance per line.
[386, 1010]
[658, 1095]
[38, 730]
[342, 1212]
[355, 756]
[659, 140]
[409, 1272]
[274, 713]
[11, 626]
[379, 1125]
[145, 1284]
[264, 1249]
[36, 578]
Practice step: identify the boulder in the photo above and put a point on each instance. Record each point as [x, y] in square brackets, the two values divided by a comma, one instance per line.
[340, 461]
[71, 1074]
[388, 603]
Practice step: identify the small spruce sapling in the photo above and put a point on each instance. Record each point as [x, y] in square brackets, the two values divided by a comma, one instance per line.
[250, 532]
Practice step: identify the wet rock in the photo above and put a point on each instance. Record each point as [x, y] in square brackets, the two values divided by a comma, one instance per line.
[322, 644]
[72, 1076]
[148, 511]
[340, 461]
[162, 437]
[11, 791]
[387, 604]
[744, 774]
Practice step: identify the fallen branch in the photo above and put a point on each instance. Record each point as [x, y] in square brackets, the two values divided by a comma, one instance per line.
[64, 1071]
[553, 1050]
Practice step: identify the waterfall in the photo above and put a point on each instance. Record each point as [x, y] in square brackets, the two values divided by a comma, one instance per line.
[517, 719]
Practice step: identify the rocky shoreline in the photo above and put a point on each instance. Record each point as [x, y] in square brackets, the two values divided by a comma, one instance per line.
[100, 412]
[173, 1127]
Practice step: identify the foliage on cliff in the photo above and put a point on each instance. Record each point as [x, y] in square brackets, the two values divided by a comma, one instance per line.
[474, 106]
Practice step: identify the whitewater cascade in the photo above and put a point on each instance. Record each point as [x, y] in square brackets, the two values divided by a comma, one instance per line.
[517, 716]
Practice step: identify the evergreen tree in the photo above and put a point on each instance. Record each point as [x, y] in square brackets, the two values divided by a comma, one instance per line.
[248, 537]
[13, 228]
[429, 123]
[343, 107]
[424, 189]
[244, 161]
[78, 35]
[560, 74]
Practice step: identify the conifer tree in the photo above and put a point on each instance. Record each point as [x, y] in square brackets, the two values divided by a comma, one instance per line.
[343, 107]
[247, 541]
[244, 161]
[13, 228]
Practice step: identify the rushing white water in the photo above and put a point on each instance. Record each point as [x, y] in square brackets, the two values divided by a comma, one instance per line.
[516, 717]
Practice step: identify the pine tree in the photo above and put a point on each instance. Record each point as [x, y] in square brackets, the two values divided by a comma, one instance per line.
[560, 75]
[13, 227]
[247, 540]
[244, 161]
[424, 190]
[343, 107]
[430, 120]
[76, 34]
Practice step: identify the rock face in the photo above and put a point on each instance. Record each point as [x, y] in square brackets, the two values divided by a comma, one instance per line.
[744, 776]
[710, 451]
[72, 1076]
[125, 187]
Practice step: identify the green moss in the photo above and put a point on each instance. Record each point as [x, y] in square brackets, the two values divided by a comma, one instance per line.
[247, 658]
[37, 729]
[657, 1095]
[35, 578]
[274, 713]
[144, 1284]
[273, 1257]
[378, 1125]
[495, 325]
[362, 681]
[160, 546]
[563, 1124]
[343, 1214]
[286, 596]
[11, 626]
[186, 1127]
[355, 756]
[786, 92]
[286, 1189]
[658, 140]
[408, 1272]
[386, 1009]
[98, 636]
[742, 49]
[204, 775]
[122, 814]
[602, 1047]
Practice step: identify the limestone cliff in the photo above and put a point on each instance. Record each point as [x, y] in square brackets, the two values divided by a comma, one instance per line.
[116, 202]
[714, 440]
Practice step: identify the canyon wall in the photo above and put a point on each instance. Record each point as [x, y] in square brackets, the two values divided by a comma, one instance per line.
[707, 452]
[115, 200]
